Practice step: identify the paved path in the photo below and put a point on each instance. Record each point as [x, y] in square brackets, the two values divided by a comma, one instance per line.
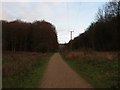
[59, 75]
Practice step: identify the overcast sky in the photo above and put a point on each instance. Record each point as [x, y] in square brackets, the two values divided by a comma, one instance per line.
[65, 15]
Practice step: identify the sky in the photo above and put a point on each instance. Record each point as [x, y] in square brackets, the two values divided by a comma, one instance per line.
[65, 15]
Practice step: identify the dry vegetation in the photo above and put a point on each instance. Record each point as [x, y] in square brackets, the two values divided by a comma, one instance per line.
[101, 69]
[94, 54]
[18, 62]
[19, 67]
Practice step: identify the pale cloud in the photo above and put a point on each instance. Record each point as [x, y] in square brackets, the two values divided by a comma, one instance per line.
[56, 0]
[26, 11]
[5, 16]
[0, 10]
[65, 16]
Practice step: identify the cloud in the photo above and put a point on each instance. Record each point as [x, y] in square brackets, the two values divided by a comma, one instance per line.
[0, 10]
[35, 10]
[55, 0]
[26, 11]
[65, 16]
[55, 13]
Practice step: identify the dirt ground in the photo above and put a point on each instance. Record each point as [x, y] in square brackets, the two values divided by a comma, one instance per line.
[59, 75]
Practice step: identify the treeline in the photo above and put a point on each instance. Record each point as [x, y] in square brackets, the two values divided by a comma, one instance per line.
[38, 36]
[104, 33]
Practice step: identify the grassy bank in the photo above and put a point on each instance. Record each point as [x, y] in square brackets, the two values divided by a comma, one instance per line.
[23, 70]
[100, 72]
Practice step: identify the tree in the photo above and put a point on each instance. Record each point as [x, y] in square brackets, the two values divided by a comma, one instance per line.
[104, 33]
[38, 36]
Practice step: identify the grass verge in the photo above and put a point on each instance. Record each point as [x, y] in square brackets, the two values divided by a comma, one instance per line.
[100, 72]
[23, 70]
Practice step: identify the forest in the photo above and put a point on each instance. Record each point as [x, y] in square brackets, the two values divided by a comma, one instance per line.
[39, 36]
[104, 33]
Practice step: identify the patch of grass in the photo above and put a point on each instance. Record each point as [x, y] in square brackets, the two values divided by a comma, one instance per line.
[100, 72]
[25, 70]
